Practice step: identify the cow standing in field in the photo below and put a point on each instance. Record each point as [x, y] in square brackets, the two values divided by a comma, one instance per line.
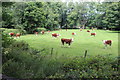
[48, 31]
[80, 29]
[88, 30]
[11, 34]
[67, 41]
[93, 34]
[18, 35]
[36, 33]
[42, 32]
[55, 35]
[73, 33]
[107, 42]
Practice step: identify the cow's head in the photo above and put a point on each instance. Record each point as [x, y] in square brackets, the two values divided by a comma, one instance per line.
[103, 41]
[59, 35]
[72, 39]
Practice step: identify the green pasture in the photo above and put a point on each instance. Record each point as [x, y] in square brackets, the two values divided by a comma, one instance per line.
[82, 41]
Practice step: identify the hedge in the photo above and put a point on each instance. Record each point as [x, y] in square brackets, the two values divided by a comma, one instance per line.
[7, 31]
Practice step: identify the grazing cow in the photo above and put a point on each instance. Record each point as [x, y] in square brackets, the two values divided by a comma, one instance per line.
[107, 42]
[42, 32]
[93, 34]
[36, 33]
[67, 41]
[88, 30]
[18, 35]
[55, 35]
[11, 34]
[73, 33]
[48, 31]
[80, 29]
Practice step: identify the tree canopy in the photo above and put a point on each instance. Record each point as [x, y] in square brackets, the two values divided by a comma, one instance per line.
[54, 15]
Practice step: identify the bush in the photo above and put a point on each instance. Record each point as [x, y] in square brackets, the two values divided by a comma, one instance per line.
[56, 28]
[6, 40]
[7, 31]
[2, 29]
[105, 67]
[40, 29]
[23, 32]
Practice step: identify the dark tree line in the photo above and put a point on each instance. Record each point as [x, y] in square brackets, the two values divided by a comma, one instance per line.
[54, 15]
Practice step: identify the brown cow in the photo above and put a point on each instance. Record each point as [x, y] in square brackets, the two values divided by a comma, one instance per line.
[11, 34]
[107, 42]
[80, 29]
[93, 34]
[67, 41]
[18, 35]
[42, 32]
[36, 33]
[88, 30]
[55, 35]
[73, 33]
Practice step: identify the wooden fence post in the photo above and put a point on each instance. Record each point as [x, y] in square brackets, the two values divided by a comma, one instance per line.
[51, 51]
[85, 54]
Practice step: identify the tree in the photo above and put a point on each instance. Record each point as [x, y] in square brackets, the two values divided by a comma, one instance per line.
[7, 15]
[111, 18]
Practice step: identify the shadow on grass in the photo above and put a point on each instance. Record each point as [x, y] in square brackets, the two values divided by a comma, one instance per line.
[114, 32]
[65, 47]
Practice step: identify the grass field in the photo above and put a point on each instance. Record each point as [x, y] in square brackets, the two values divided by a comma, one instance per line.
[82, 41]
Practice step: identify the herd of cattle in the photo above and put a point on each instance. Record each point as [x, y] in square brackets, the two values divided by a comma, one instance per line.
[65, 40]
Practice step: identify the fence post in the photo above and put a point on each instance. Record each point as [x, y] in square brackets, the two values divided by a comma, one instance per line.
[51, 51]
[85, 54]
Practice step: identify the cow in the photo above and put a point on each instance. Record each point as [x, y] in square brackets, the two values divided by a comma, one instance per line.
[55, 35]
[80, 29]
[67, 41]
[88, 30]
[36, 33]
[11, 34]
[107, 42]
[48, 31]
[18, 35]
[42, 32]
[73, 33]
[93, 34]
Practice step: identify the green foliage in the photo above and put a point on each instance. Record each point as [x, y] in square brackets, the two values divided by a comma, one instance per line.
[30, 15]
[112, 15]
[7, 31]
[40, 29]
[6, 40]
[104, 15]
[91, 67]
[2, 29]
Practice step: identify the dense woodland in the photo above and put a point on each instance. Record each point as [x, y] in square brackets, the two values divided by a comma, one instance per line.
[55, 15]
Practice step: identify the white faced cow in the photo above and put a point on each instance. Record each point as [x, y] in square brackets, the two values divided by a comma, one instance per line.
[73, 33]
[18, 35]
[107, 42]
[67, 41]
[55, 35]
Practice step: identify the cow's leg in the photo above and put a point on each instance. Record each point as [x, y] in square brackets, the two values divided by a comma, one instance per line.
[110, 45]
[62, 43]
[68, 44]
[105, 46]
